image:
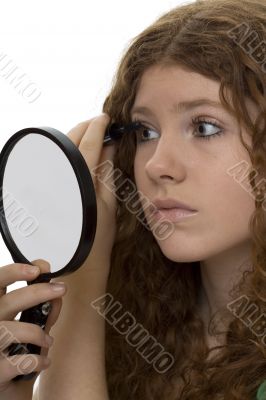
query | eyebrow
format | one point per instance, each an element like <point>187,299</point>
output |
<point>182,106</point>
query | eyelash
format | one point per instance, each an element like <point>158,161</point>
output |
<point>195,121</point>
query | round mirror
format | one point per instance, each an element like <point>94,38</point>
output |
<point>47,199</point>
<point>42,201</point>
<point>48,208</point>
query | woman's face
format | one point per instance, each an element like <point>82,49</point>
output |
<point>175,162</point>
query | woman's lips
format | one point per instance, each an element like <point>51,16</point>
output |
<point>172,214</point>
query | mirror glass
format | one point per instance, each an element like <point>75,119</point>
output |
<point>42,201</point>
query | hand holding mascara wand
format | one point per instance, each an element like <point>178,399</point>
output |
<point>116,131</point>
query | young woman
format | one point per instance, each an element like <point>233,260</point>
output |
<point>194,82</point>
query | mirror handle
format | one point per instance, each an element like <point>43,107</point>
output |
<point>37,315</point>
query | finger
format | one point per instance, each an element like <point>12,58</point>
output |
<point>106,178</point>
<point>21,299</point>
<point>43,264</point>
<point>20,365</point>
<point>76,133</point>
<point>92,141</point>
<point>16,272</point>
<point>21,332</point>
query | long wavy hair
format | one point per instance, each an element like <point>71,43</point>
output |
<point>205,37</point>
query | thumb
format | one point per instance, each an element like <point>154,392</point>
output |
<point>44,265</point>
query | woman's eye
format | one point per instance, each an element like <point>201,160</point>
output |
<point>145,134</point>
<point>199,122</point>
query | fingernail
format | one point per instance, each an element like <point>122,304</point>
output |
<point>47,361</point>
<point>58,286</point>
<point>31,269</point>
<point>49,340</point>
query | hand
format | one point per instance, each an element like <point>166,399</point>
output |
<point>14,331</point>
<point>88,137</point>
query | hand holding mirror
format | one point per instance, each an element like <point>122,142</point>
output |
<point>49,208</point>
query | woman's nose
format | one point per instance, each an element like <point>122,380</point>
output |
<point>167,160</point>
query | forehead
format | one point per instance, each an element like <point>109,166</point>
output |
<point>175,89</point>
<point>176,79</point>
<point>172,84</point>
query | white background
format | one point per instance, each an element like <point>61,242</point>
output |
<point>70,50</point>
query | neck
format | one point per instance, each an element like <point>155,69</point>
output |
<point>219,275</point>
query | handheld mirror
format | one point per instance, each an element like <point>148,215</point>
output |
<point>48,208</point>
